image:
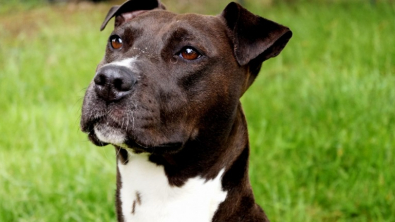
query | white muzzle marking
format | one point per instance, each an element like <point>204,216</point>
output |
<point>109,134</point>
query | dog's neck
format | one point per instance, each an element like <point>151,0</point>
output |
<point>195,184</point>
<point>146,195</point>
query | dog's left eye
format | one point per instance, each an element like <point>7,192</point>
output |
<point>189,53</point>
<point>116,42</point>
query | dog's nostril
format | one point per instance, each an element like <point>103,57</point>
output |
<point>100,79</point>
<point>123,84</point>
<point>118,84</point>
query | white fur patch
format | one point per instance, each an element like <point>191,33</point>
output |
<point>128,63</point>
<point>109,134</point>
<point>147,196</point>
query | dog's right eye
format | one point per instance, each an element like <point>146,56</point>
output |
<point>116,42</point>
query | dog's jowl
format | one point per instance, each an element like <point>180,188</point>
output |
<point>166,96</point>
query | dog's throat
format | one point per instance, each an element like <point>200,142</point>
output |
<point>122,154</point>
<point>145,193</point>
<point>164,148</point>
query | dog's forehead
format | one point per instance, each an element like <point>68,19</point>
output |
<point>163,23</point>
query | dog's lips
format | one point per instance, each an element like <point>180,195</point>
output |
<point>102,132</point>
<point>137,147</point>
<point>88,128</point>
<point>93,138</point>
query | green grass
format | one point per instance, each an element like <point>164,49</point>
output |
<point>321,116</point>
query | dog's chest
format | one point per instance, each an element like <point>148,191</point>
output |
<point>146,195</point>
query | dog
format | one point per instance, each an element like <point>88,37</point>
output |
<point>167,96</point>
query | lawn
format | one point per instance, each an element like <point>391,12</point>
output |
<point>321,115</point>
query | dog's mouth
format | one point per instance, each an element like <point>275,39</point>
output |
<point>102,133</point>
<point>93,138</point>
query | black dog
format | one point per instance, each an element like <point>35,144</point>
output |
<point>166,95</point>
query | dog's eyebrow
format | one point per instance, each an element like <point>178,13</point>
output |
<point>129,34</point>
<point>133,31</point>
<point>180,34</point>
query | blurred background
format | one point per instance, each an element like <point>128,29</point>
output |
<point>321,115</point>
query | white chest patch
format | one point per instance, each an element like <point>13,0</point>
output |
<point>147,196</point>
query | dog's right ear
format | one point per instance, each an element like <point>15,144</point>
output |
<point>129,10</point>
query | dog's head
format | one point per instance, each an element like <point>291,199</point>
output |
<point>168,78</point>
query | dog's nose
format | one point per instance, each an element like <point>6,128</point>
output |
<point>114,83</point>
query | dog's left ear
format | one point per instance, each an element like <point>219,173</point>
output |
<point>255,39</point>
<point>129,10</point>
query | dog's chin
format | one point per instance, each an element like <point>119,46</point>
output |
<point>108,134</point>
<point>104,134</point>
